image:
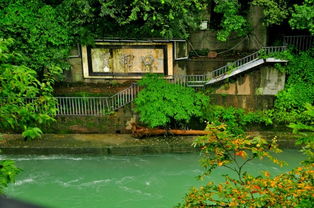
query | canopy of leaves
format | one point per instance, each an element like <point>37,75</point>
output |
<point>303,16</point>
<point>160,18</point>
<point>275,11</point>
<point>159,103</point>
<point>24,101</point>
<point>41,34</point>
<point>300,14</point>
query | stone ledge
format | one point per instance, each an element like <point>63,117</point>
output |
<point>115,144</point>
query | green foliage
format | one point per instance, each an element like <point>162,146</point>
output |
<point>162,18</point>
<point>231,22</point>
<point>32,133</point>
<point>24,100</point>
<point>160,103</point>
<point>236,118</point>
<point>299,89</point>
<point>275,11</point>
<point>307,137</point>
<point>41,34</point>
<point>300,14</point>
<point>221,148</point>
<point>8,172</point>
<point>303,16</point>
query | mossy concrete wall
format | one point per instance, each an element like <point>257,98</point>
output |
<point>263,80</point>
<point>253,90</point>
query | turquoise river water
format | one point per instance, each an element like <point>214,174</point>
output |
<point>154,181</point>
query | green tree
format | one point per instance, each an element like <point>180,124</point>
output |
<point>275,11</point>
<point>160,103</point>
<point>299,14</point>
<point>160,18</point>
<point>41,34</point>
<point>303,16</point>
<point>306,140</point>
<point>24,101</point>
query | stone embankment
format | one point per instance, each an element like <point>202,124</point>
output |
<point>114,144</point>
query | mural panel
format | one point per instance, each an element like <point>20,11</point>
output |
<point>127,60</point>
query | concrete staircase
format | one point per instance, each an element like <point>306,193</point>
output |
<point>231,69</point>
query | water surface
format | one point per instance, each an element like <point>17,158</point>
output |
<point>154,181</point>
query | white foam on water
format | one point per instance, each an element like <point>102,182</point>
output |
<point>91,183</point>
<point>69,183</point>
<point>135,191</point>
<point>33,158</point>
<point>21,182</point>
<point>125,179</point>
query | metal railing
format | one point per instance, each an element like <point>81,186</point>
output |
<point>189,80</point>
<point>245,60</point>
<point>124,97</point>
<point>95,106</point>
<point>301,42</point>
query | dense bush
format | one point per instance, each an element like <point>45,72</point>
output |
<point>299,88</point>
<point>24,101</point>
<point>162,104</point>
<point>237,119</point>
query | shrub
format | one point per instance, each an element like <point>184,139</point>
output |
<point>160,103</point>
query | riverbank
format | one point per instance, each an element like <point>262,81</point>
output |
<point>115,144</point>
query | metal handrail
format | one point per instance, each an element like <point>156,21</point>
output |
<point>301,42</point>
<point>96,106</point>
<point>245,60</point>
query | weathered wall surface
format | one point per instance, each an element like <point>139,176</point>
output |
<point>204,65</point>
<point>75,74</point>
<point>254,90</point>
<point>264,80</point>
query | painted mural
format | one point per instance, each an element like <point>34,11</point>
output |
<point>127,60</point>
